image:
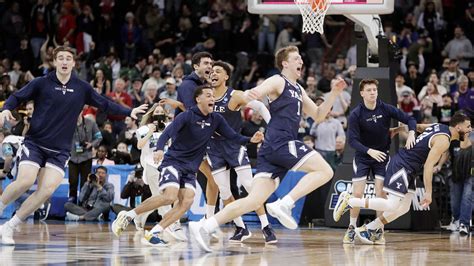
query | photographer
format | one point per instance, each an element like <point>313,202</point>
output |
<point>95,198</point>
<point>120,155</point>
<point>86,136</point>
<point>128,136</point>
<point>30,108</point>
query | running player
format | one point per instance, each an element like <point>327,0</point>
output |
<point>400,177</point>
<point>151,127</point>
<point>191,132</point>
<point>281,151</point>
<point>224,155</point>
<point>202,64</point>
<point>370,118</point>
<point>59,98</point>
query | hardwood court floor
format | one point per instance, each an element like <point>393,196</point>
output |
<point>93,244</point>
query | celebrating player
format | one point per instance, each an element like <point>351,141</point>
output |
<point>191,132</point>
<point>59,98</point>
<point>400,177</point>
<point>370,118</point>
<point>281,151</point>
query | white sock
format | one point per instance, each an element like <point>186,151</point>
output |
<point>263,220</point>
<point>239,222</point>
<point>375,224</point>
<point>14,222</point>
<point>210,225</point>
<point>210,209</point>
<point>156,229</point>
<point>288,201</point>
<point>132,214</point>
<point>353,222</point>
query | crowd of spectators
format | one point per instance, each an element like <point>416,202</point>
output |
<point>139,51</point>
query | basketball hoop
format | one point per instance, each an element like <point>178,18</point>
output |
<point>313,12</point>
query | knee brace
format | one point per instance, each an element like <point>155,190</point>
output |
<point>245,176</point>
<point>222,179</point>
<point>402,207</point>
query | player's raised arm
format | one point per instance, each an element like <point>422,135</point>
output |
<point>173,103</point>
<point>238,100</point>
<point>439,144</point>
<point>319,113</point>
<point>271,87</point>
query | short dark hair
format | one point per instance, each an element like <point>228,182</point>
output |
<point>367,82</point>
<point>196,59</point>
<point>101,167</point>
<point>64,49</point>
<point>458,118</point>
<point>199,90</point>
<point>225,66</point>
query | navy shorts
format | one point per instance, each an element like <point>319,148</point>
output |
<point>275,160</point>
<point>176,176</point>
<point>222,155</point>
<point>39,156</point>
<point>364,166</point>
<point>399,180</point>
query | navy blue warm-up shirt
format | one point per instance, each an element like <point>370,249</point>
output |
<point>57,107</point>
<point>369,129</point>
<point>191,132</point>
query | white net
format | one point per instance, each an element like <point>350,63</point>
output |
<point>313,19</point>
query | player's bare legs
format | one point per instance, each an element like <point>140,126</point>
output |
<point>27,175</point>
<point>169,195</point>
<point>48,181</point>
<point>186,198</point>
<point>261,189</point>
<point>319,172</point>
<point>245,176</point>
<point>212,190</point>
<point>168,223</point>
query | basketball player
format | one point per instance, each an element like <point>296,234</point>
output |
<point>400,177</point>
<point>202,64</point>
<point>191,132</point>
<point>59,98</point>
<point>370,118</point>
<point>223,155</point>
<point>151,127</point>
<point>281,151</point>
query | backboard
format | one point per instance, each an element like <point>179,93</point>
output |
<point>338,7</point>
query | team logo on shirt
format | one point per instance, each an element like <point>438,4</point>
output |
<point>203,123</point>
<point>374,118</point>
<point>64,89</point>
<point>296,95</point>
<point>219,109</point>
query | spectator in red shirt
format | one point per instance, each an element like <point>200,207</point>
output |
<point>120,96</point>
<point>66,27</point>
